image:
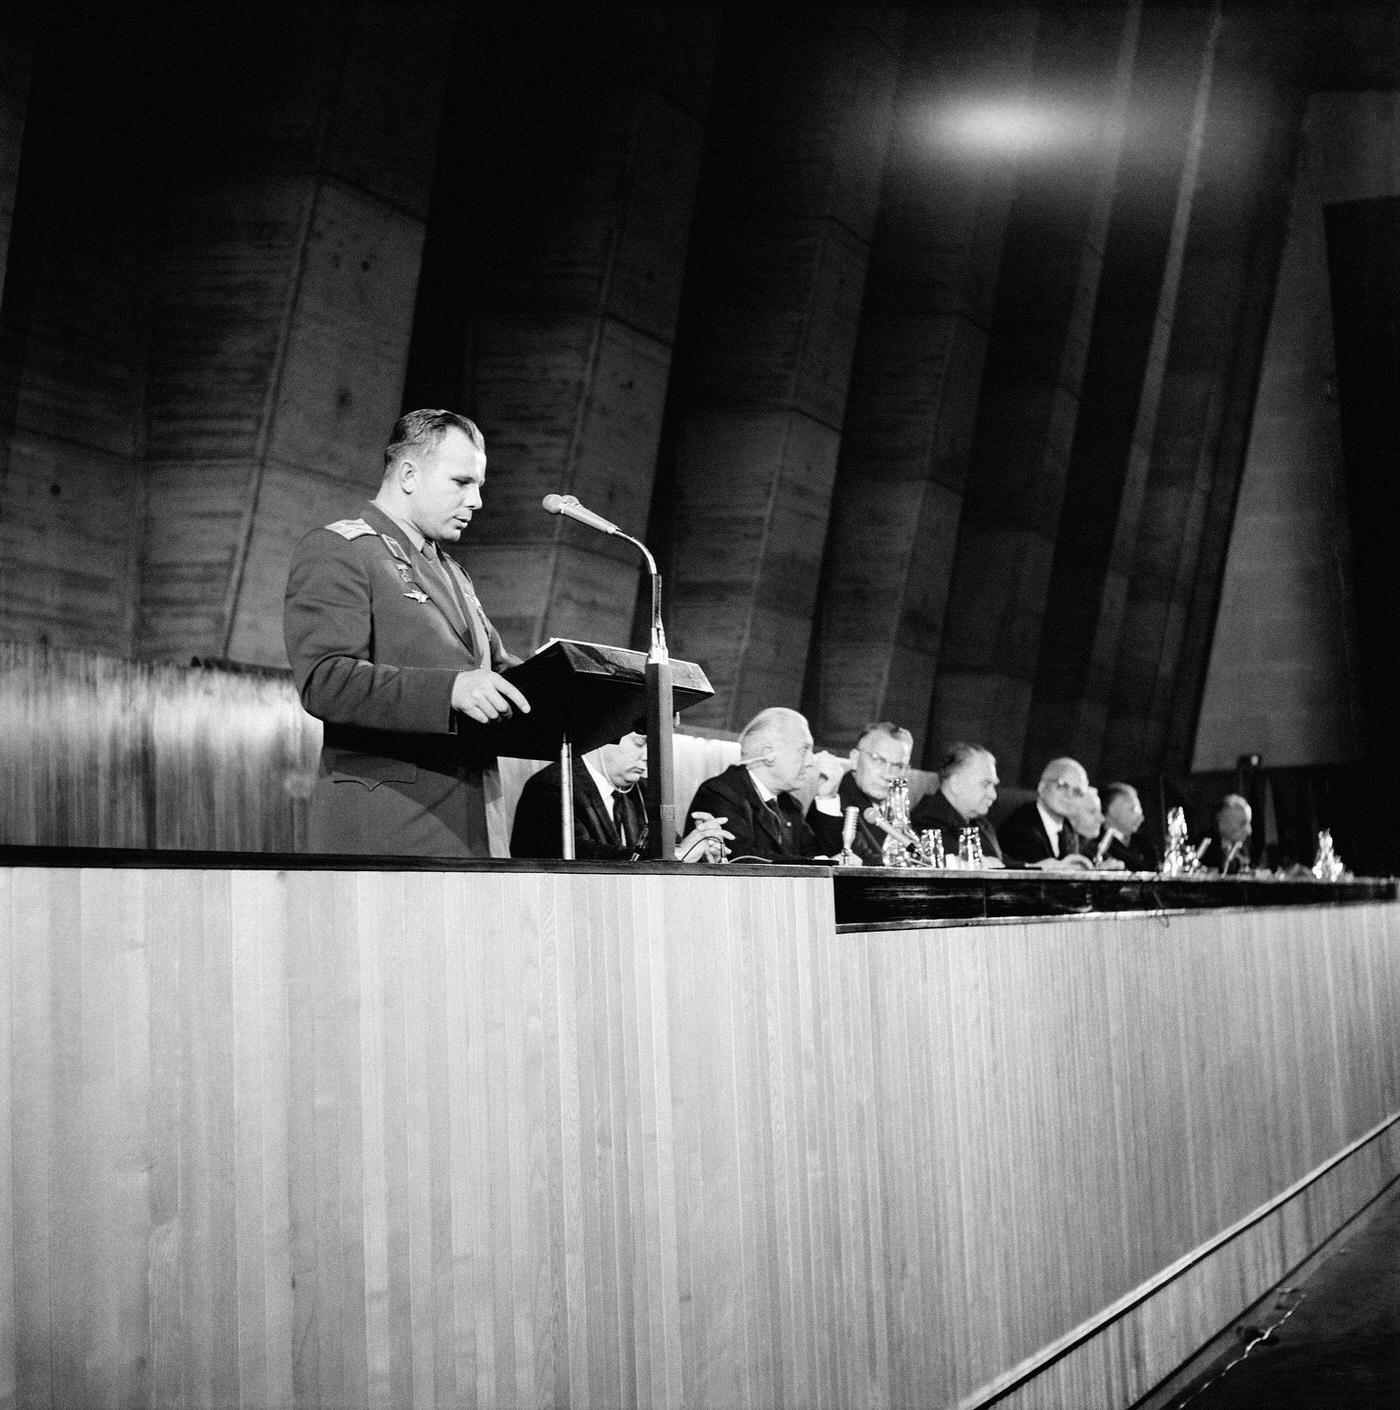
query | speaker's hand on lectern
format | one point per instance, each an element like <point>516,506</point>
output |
<point>484,696</point>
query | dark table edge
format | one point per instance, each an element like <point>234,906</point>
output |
<point>865,899</point>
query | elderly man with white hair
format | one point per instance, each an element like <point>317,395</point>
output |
<point>1228,852</point>
<point>753,798</point>
<point>1040,833</point>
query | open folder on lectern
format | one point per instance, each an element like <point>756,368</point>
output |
<point>588,694</point>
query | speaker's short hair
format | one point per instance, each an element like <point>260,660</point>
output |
<point>424,430</point>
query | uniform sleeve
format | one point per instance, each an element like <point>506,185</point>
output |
<point>329,628</point>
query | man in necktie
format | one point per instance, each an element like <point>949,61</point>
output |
<point>1228,851</point>
<point>390,649</point>
<point>755,795</point>
<point>880,757</point>
<point>1040,833</point>
<point>967,789</point>
<point>611,823</point>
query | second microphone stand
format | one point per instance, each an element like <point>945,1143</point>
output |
<point>661,709</point>
<point>661,727</point>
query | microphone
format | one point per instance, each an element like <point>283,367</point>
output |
<point>876,818</point>
<point>1110,836</point>
<point>567,505</point>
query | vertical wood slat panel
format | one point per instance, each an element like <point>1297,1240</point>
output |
<point>450,1139</point>
<point>11,937</point>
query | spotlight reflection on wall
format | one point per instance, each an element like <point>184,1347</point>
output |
<point>1014,127</point>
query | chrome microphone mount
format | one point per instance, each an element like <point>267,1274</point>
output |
<point>661,787</point>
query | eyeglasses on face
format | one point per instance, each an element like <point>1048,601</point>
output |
<point>1075,790</point>
<point>889,766</point>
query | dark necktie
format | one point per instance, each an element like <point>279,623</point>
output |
<point>445,580</point>
<point>777,815</point>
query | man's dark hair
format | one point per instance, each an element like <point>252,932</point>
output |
<point>1111,792</point>
<point>424,430</point>
<point>956,755</point>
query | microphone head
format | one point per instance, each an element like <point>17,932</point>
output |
<point>554,503</point>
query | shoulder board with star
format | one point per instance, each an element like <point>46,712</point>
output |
<point>351,528</point>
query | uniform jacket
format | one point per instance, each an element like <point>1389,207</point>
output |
<point>375,644</point>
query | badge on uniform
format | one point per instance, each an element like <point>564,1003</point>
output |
<point>411,588</point>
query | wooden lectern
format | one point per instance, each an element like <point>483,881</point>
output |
<point>583,695</point>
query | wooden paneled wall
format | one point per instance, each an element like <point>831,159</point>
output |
<point>1126,361</point>
<point>101,752</point>
<point>1230,263</point>
<point>455,1139</point>
<point>567,333</point>
<point>785,214</point>
<point>922,341</point>
<point>743,278</point>
<point>1033,384</point>
<point>285,273</point>
<point>16,64</point>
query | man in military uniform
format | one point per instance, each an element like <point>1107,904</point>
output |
<point>391,649</point>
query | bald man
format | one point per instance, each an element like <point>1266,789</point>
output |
<point>1228,852</point>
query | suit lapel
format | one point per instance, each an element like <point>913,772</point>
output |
<point>588,803</point>
<point>634,811</point>
<point>763,814</point>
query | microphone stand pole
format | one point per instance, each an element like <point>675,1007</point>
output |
<point>661,722</point>
<point>661,727</point>
<point>661,709</point>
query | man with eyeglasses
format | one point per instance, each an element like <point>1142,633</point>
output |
<point>1228,851</point>
<point>880,757</point>
<point>1041,833</point>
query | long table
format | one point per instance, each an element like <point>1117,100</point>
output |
<point>339,1136</point>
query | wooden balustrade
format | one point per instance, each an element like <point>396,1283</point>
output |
<point>605,1138</point>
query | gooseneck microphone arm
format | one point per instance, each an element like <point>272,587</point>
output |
<point>661,787</point>
<point>568,505</point>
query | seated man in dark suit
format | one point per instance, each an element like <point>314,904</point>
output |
<point>1039,833</point>
<point>611,821</point>
<point>753,797</point>
<point>1122,811</point>
<point>967,788</point>
<point>1228,851</point>
<point>881,755</point>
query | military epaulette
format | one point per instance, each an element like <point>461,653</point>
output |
<point>351,528</point>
